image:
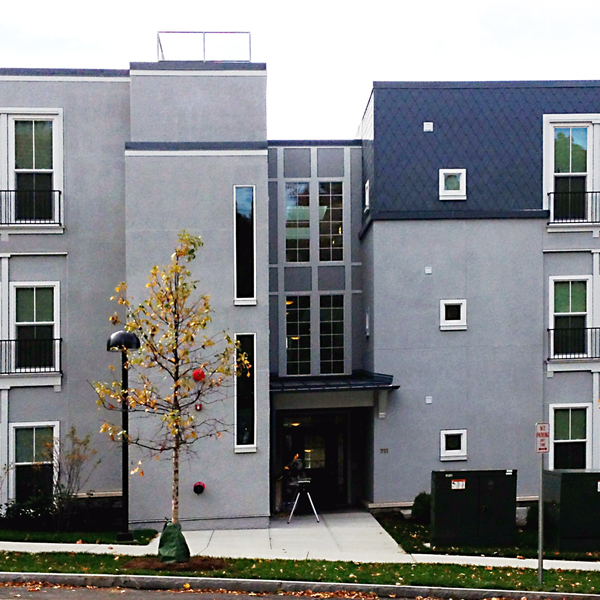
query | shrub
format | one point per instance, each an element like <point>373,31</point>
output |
<point>421,508</point>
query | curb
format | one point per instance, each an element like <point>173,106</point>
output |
<point>274,586</point>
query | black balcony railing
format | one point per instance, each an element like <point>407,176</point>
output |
<point>574,207</point>
<point>574,343</point>
<point>18,207</point>
<point>30,356</point>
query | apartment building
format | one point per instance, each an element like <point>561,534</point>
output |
<point>415,299</point>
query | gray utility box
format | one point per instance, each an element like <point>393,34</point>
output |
<point>572,509</point>
<point>474,508</point>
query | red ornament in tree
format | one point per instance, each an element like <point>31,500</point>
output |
<point>198,375</point>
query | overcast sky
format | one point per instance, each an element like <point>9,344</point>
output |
<point>322,56</point>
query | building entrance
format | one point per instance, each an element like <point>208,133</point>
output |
<point>325,447</point>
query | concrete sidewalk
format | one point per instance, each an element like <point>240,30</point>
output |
<point>346,536</point>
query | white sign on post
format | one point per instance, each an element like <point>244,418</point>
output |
<point>542,438</point>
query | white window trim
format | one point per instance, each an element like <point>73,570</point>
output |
<point>588,432</point>
<point>550,122</point>
<point>11,450</point>
<point>459,325</point>
<point>447,455</point>
<point>460,194</point>
<point>367,196</point>
<point>588,300</point>
<point>243,301</point>
<point>246,448</point>
<point>13,286</point>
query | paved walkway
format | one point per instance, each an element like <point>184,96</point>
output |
<point>347,536</point>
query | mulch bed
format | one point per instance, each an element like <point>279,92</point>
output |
<point>196,563</point>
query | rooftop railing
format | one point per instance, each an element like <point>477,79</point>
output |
<point>30,356</point>
<point>30,207</point>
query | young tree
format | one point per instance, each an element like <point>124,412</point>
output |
<point>177,366</point>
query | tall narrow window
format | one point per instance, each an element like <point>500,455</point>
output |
<point>34,462</point>
<point>297,320</point>
<point>332,334</point>
<point>570,436</point>
<point>297,222</point>
<point>35,328</point>
<point>570,173</point>
<point>34,170</point>
<point>244,245</point>
<point>570,316</point>
<point>245,394</point>
<point>331,221</point>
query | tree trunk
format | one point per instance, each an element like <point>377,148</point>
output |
<point>175,498</point>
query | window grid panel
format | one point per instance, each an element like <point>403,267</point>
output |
<point>332,334</point>
<point>570,319</point>
<point>297,222</point>
<point>570,438</point>
<point>297,319</point>
<point>331,220</point>
<point>570,173</point>
<point>34,328</point>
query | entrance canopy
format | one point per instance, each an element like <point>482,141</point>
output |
<point>359,380</point>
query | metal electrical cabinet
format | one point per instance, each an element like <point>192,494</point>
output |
<point>571,509</point>
<point>475,508</point>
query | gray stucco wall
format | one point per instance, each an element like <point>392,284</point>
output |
<point>487,379</point>
<point>87,256</point>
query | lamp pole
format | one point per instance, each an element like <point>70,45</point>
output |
<point>121,341</point>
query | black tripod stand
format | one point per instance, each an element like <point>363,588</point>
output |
<point>303,485</point>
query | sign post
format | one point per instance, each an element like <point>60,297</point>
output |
<point>542,446</point>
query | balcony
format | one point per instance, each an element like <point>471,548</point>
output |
<point>30,356</point>
<point>573,344</point>
<point>30,207</point>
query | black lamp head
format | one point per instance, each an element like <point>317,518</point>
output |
<point>121,340</point>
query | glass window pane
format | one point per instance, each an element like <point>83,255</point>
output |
<point>245,393</point>
<point>43,144</point>
<point>578,303</point>
<point>453,441</point>
<point>579,150</point>
<point>23,144</point>
<point>561,424</point>
<point>562,303</point>
<point>452,182</point>
<point>44,305</point>
<point>44,444</point>
<point>578,428</point>
<point>562,150</point>
<point>244,242</point>
<point>452,312</point>
<point>25,305</point>
<point>24,445</point>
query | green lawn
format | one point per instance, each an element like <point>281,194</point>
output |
<point>394,574</point>
<point>414,538</point>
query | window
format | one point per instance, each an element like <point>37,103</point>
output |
<point>35,343</point>
<point>453,444</point>
<point>569,306</point>
<point>331,238</point>
<point>297,318</point>
<point>244,245</point>
<point>367,196</point>
<point>332,334</point>
<point>453,184</point>
<point>570,434</point>
<point>297,222</point>
<point>33,177</point>
<point>570,173</point>
<point>34,451</point>
<point>245,395</point>
<point>453,315</point>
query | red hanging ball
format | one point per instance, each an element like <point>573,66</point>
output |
<point>198,375</point>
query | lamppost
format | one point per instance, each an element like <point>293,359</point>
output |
<point>122,341</point>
